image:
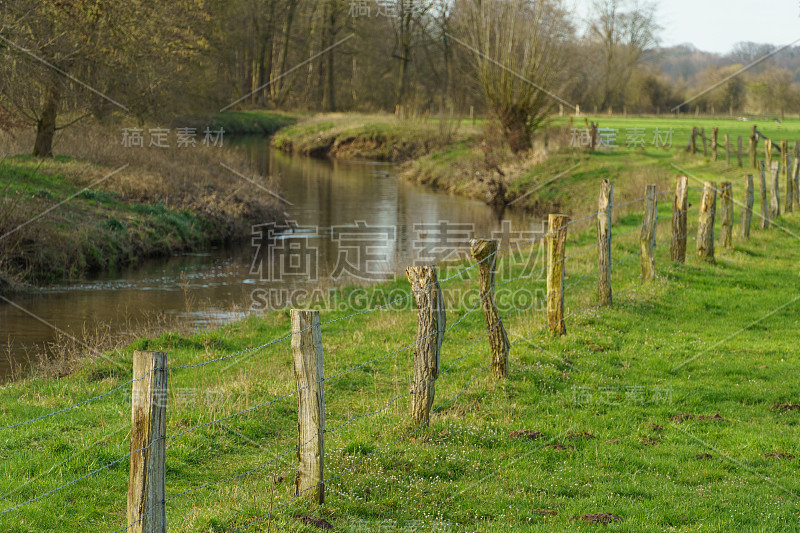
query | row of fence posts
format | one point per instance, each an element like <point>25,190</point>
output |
<point>147,481</point>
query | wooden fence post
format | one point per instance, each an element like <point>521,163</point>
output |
<point>764,205</point>
<point>705,146</point>
<point>775,193</point>
<point>680,207</point>
<point>308,375</point>
<point>714,143</point>
<point>753,147</point>
<point>485,251</point>
<point>147,510</point>
<point>787,172</point>
<point>768,152</point>
<point>604,207</point>
<point>795,181</point>
<point>647,237</point>
<point>786,161</point>
<point>431,323</point>
<point>693,141</point>
<point>726,216</point>
<point>705,227</point>
<point>747,207</point>
<point>556,248</point>
<point>727,149</point>
<point>739,149</point>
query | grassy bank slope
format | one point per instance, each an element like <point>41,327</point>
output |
<point>662,410</point>
<point>112,206</point>
<point>376,137</point>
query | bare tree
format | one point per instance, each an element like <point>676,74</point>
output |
<point>518,47</point>
<point>622,31</point>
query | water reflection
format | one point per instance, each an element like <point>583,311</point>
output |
<point>331,204</point>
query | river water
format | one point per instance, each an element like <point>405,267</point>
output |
<point>349,222</point>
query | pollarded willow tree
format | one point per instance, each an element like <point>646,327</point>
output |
<point>519,49</point>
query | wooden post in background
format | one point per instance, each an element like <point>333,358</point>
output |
<point>787,172</point>
<point>431,323</point>
<point>747,207</point>
<point>739,149</point>
<point>774,192</point>
<point>727,149</point>
<point>726,215</point>
<point>764,205</point>
<point>647,237</point>
<point>786,161</point>
<point>556,248</point>
<point>714,143</point>
<point>795,176</point>
<point>768,152</point>
<point>705,227</point>
<point>604,207</point>
<point>680,207</point>
<point>693,141</point>
<point>308,375</point>
<point>485,251</point>
<point>705,146</point>
<point>147,510</point>
<point>753,147</point>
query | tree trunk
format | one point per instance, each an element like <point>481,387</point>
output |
<point>46,125</point>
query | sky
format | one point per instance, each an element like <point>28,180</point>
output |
<point>716,25</point>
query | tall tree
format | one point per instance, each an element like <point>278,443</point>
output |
<point>518,48</point>
<point>622,31</point>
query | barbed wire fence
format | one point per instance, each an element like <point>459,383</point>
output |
<point>150,441</point>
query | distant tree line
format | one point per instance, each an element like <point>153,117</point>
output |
<point>516,60</point>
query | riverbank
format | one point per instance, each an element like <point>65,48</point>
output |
<point>107,205</point>
<point>472,162</point>
<point>687,370</point>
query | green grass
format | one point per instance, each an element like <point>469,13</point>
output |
<point>702,339</point>
<point>249,122</point>
<point>92,230</point>
<point>375,137</point>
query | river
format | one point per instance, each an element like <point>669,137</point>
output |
<point>356,220</point>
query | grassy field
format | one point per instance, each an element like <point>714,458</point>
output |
<point>663,410</point>
<point>458,163</point>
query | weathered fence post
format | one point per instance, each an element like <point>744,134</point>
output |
<point>431,323</point>
<point>726,216</point>
<point>786,161</point>
<point>753,147</point>
<point>693,141</point>
<point>485,251</point>
<point>764,205</point>
<point>795,175</point>
<point>747,207</point>
<point>309,377</point>
<point>604,207</point>
<point>714,138</point>
<point>147,510</point>
<point>768,152</point>
<point>727,149</point>
<point>739,149</point>
<point>775,193</point>
<point>556,248</point>
<point>705,227</point>
<point>705,145</point>
<point>787,172</point>
<point>647,237</point>
<point>680,207</point>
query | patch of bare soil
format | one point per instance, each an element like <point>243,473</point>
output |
<point>596,518</point>
<point>525,434</point>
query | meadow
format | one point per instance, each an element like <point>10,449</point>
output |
<point>673,409</point>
